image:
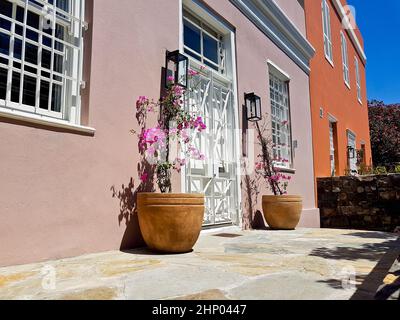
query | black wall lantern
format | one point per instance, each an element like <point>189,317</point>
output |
<point>253,107</point>
<point>351,152</point>
<point>176,66</point>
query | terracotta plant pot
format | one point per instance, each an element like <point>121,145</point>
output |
<point>170,223</point>
<point>282,212</point>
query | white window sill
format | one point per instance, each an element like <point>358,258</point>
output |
<point>44,121</point>
<point>285,169</point>
<point>360,102</point>
<point>347,85</point>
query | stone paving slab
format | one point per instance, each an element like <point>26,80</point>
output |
<point>305,264</point>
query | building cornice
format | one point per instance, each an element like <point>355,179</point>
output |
<point>276,25</point>
<point>353,37</point>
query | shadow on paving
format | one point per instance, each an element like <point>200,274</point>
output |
<point>385,254</point>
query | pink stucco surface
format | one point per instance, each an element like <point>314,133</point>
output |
<point>56,190</point>
<point>295,12</point>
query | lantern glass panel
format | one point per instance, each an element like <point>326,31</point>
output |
<point>182,73</point>
<point>248,108</point>
<point>258,108</point>
<point>253,107</point>
<point>177,66</point>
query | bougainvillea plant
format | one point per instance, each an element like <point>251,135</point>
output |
<point>277,181</point>
<point>175,126</point>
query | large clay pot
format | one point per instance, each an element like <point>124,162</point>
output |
<point>170,223</point>
<point>282,212</point>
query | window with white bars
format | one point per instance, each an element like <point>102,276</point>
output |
<point>281,125</point>
<point>345,59</point>
<point>326,23</point>
<point>203,43</point>
<point>358,79</point>
<point>41,57</point>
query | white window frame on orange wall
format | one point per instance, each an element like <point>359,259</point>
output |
<point>326,26</point>
<point>358,79</point>
<point>345,59</point>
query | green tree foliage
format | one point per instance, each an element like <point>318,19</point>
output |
<point>385,133</point>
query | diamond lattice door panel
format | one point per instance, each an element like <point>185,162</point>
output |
<point>212,96</point>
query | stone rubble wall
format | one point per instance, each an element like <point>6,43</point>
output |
<point>366,203</point>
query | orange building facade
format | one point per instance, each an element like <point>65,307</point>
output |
<point>339,107</point>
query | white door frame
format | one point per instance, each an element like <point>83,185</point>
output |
<point>232,43</point>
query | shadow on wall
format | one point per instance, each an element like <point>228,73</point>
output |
<point>127,197</point>
<point>253,219</point>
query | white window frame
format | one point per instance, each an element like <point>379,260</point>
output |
<point>358,79</point>
<point>345,59</point>
<point>70,79</point>
<point>219,39</point>
<point>228,39</point>
<point>281,80</point>
<point>326,26</point>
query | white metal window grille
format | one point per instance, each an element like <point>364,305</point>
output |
<point>326,22</point>
<point>203,43</point>
<point>281,126</point>
<point>358,80</point>
<point>41,57</point>
<point>345,59</point>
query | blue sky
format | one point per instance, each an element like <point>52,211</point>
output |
<point>379,22</point>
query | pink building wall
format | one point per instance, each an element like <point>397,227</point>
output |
<point>56,190</point>
<point>295,12</point>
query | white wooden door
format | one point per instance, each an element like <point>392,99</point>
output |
<point>216,177</point>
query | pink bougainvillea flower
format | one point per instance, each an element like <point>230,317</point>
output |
<point>142,100</point>
<point>153,142</point>
<point>144,177</point>
<point>185,135</point>
<point>179,91</point>
<point>173,131</point>
<point>193,73</point>
<point>259,166</point>
<point>198,124</point>
<point>151,151</point>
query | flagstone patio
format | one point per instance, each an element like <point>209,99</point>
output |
<point>227,264</point>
